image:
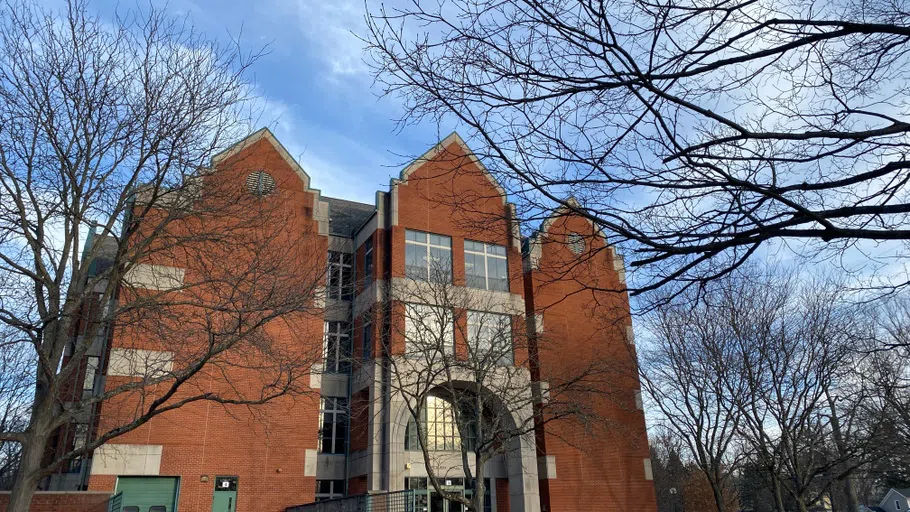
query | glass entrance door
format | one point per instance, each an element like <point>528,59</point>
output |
<point>426,499</point>
<point>439,504</point>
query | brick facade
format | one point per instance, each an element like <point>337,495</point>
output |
<point>64,501</point>
<point>273,449</point>
<point>601,467</point>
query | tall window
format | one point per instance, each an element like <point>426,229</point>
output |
<point>486,266</point>
<point>329,489</point>
<point>333,425</point>
<point>429,330</point>
<point>341,275</point>
<point>92,364</point>
<point>490,335</point>
<point>428,256</point>
<point>367,335</point>
<point>80,435</point>
<point>368,261</point>
<point>440,427</point>
<point>337,347</point>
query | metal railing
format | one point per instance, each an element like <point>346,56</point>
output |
<point>396,501</point>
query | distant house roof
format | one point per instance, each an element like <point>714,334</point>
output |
<point>905,492</point>
<point>345,217</point>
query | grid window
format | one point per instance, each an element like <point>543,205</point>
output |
<point>329,489</point>
<point>440,428</point>
<point>92,364</point>
<point>429,330</point>
<point>490,336</point>
<point>341,275</point>
<point>486,266</point>
<point>333,425</point>
<point>337,348</point>
<point>428,257</point>
<point>368,261</point>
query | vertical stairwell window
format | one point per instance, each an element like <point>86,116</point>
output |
<point>333,425</point>
<point>368,261</point>
<point>337,347</point>
<point>367,336</point>
<point>341,276</point>
<point>329,489</point>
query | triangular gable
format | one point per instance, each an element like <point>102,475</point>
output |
<point>534,249</point>
<point>439,148</point>
<point>264,133</point>
<point>321,207</point>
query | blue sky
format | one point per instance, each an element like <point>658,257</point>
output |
<point>316,89</point>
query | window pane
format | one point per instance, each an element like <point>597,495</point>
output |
<point>497,250</point>
<point>473,246</point>
<point>490,334</point>
<point>498,272</point>
<point>475,273</point>
<point>440,240</point>
<point>333,425</point>
<point>417,236</point>
<point>441,264</point>
<point>91,370</point>
<point>416,261</point>
<point>428,330</point>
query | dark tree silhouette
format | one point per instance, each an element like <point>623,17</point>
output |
<point>692,133</point>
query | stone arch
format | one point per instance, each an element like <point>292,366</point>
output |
<point>520,457</point>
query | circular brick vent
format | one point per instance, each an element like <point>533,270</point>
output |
<point>260,183</point>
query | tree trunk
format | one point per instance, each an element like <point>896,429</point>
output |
<point>33,449</point>
<point>718,497</point>
<point>29,475</point>
<point>778,499</point>
<point>479,489</point>
<point>839,441</point>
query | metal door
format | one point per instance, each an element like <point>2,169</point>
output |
<point>225,495</point>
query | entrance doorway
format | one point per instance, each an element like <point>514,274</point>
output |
<point>426,499</point>
<point>225,495</point>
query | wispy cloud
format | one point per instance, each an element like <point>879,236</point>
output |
<point>330,28</point>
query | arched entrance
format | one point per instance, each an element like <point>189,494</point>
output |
<point>408,466</point>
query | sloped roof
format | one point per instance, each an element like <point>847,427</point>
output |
<point>345,217</point>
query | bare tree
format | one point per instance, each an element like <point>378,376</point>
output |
<point>761,373</point>
<point>690,374</point>
<point>692,133</point>
<point>668,468</point>
<point>464,378</point>
<point>16,385</point>
<point>109,138</point>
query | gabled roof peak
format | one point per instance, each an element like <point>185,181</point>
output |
<point>437,148</point>
<point>264,133</point>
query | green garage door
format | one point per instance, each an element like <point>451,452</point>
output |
<point>148,491</point>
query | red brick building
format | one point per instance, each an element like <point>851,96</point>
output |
<point>350,440</point>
